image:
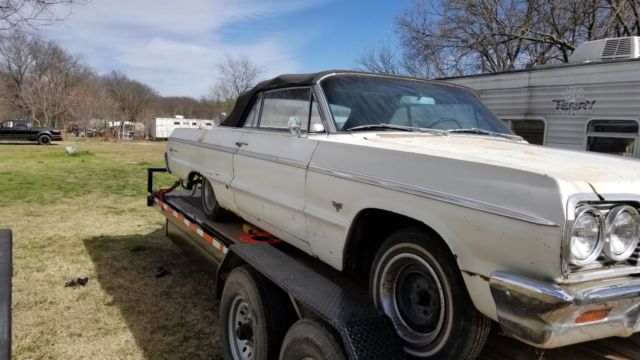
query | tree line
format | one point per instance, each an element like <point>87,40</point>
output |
<point>43,83</point>
<point>460,37</point>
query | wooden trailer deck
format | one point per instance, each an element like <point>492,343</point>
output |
<point>504,348</point>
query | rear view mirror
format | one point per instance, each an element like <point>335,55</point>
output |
<point>417,100</point>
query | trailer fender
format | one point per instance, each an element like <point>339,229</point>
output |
<point>230,262</point>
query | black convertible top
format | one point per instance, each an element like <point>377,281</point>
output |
<point>289,80</point>
<point>285,80</point>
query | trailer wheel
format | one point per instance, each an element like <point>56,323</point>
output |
<point>254,316</point>
<point>416,282</point>
<point>44,139</point>
<point>311,340</point>
<point>210,205</point>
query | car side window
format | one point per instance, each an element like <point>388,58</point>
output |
<point>315,123</point>
<point>252,118</point>
<point>280,107</point>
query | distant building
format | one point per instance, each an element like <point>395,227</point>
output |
<point>161,128</point>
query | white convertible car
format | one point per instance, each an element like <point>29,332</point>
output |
<point>417,189</point>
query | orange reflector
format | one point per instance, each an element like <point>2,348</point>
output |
<point>593,315</point>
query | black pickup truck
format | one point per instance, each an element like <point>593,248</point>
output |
<point>22,130</point>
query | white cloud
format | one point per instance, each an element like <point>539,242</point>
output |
<point>175,46</point>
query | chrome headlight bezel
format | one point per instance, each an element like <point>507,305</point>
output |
<point>609,227</point>
<point>597,215</point>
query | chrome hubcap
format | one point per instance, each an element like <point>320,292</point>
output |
<point>411,294</point>
<point>240,330</point>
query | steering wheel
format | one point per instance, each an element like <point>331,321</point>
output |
<point>444,119</point>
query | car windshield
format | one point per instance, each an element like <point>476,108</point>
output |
<point>361,102</point>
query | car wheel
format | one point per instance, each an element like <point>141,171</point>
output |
<point>253,316</point>
<point>416,282</point>
<point>311,340</point>
<point>44,139</point>
<point>210,205</point>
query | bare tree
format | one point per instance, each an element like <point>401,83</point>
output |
<point>41,77</point>
<point>92,101</point>
<point>235,76</point>
<point>182,105</point>
<point>132,97</point>
<point>54,80</point>
<point>385,60</point>
<point>458,37</point>
<point>380,60</point>
<point>15,13</point>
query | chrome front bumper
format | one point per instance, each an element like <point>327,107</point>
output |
<point>544,314</point>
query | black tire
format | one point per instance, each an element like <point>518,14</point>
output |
<point>44,139</point>
<point>311,339</point>
<point>416,282</point>
<point>210,205</point>
<point>260,315</point>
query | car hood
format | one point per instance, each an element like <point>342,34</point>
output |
<point>605,174</point>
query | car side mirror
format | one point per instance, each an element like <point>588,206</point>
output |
<point>295,126</point>
<point>317,128</point>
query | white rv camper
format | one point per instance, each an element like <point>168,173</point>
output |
<point>161,128</point>
<point>591,103</point>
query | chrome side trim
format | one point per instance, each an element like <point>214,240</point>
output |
<point>205,145</point>
<point>621,197</point>
<point>434,195</point>
<point>247,153</point>
<point>275,159</point>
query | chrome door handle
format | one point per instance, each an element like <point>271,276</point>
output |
<point>241,144</point>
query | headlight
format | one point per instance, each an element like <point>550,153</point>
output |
<point>622,227</point>
<point>585,245</point>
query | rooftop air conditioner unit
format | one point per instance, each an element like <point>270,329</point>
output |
<point>607,49</point>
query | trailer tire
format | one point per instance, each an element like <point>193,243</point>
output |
<point>210,205</point>
<point>311,339</point>
<point>44,139</point>
<point>416,282</point>
<point>254,316</point>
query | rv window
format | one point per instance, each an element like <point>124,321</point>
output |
<point>176,123</point>
<point>613,126</point>
<point>185,123</point>
<point>616,137</point>
<point>208,124</point>
<point>531,130</point>
<point>194,124</point>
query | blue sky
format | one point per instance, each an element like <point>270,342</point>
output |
<point>174,46</point>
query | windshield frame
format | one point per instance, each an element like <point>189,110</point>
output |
<point>328,115</point>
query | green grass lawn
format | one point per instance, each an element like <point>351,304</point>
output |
<point>85,216</point>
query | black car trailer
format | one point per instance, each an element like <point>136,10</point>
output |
<point>297,294</point>
<point>6,273</point>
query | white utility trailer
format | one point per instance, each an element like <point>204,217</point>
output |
<point>591,103</point>
<point>161,128</point>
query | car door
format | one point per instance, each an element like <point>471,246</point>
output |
<point>271,164</point>
<point>21,130</point>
